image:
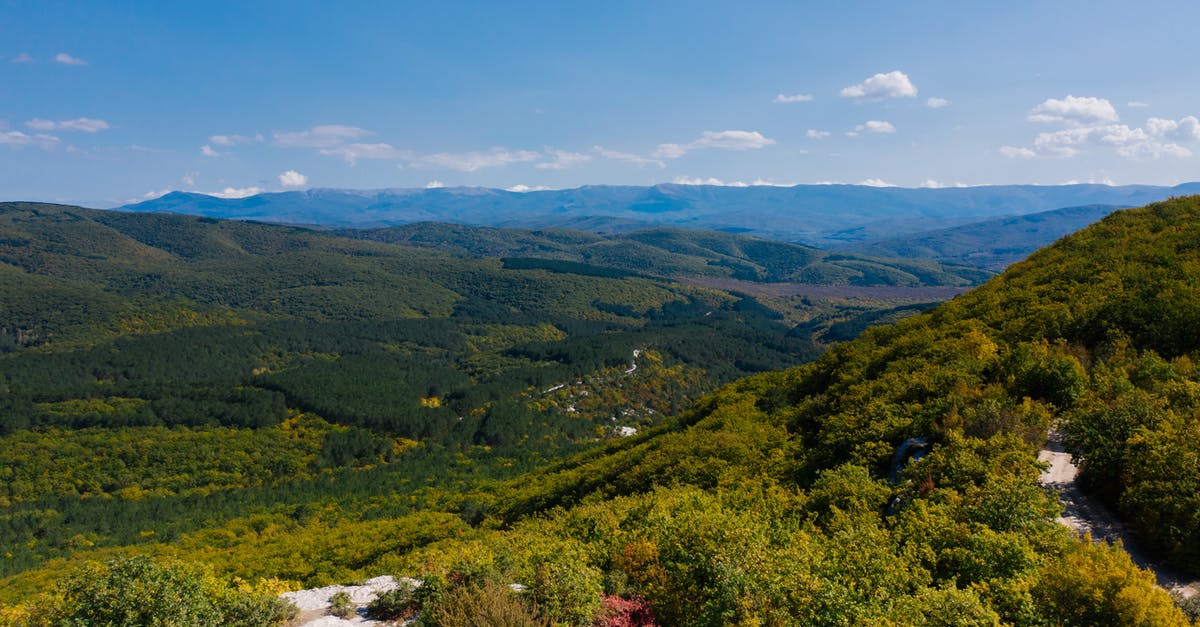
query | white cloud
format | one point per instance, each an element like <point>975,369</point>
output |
<point>670,151</point>
<point>1160,138</point>
<point>237,192</point>
<point>189,179</point>
<point>334,140</point>
<point>434,184</point>
<point>67,59</point>
<point>208,151</point>
<point>322,136</point>
<point>876,126</point>
<point>627,157</point>
<point>934,184</point>
<point>563,159</point>
<point>1183,129</point>
<point>19,139</point>
<point>692,180</point>
<point>937,103</point>
<point>84,125</point>
<point>233,140</point>
<point>155,193</point>
<point>475,160</point>
<point>1153,149</point>
<point>759,182</point>
<point>894,84</point>
<point>351,153</point>
<point>874,182</point>
<point>521,189</point>
<point>292,178</point>
<point>813,133</point>
<point>1092,181</point>
<point>23,58</point>
<point>786,99</point>
<point>1074,111</point>
<point>1137,104</point>
<point>724,140</point>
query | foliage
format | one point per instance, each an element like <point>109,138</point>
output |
<point>673,253</point>
<point>397,603</point>
<point>1098,585</point>
<point>139,591</point>
<point>766,502</point>
<point>166,358</point>
<point>480,605</point>
<point>616,611</point>
<point>341,605</point>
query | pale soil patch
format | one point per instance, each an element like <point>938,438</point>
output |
<point>314,603</point>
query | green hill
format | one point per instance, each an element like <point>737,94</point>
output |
<point>680,253</point>
<point>990,245</point>
<point>786,497</point>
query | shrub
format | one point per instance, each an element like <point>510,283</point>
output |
<point>567,593</point>
<point>473,605</point>
<point>394,604</point>
<point>141,591</point>
<point>616,611</point>
<point>341,605</point>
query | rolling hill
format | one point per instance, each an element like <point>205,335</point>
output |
<point>989,245</point>
<point>677,253</point>
<point>231,366</point>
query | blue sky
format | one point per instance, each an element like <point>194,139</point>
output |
<point>102,103</point>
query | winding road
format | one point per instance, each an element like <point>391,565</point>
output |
<point>1085,515</point>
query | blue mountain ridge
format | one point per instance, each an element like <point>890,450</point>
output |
<point>820,215</point>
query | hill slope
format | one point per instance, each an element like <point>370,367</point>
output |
<point>678,253</point>
<point>991,244</point>
<point>814,214</point>
<point>789,498</point>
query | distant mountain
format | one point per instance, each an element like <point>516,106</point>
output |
<point>672,252</point>
<point>991,244</point>
<point>820,215</point>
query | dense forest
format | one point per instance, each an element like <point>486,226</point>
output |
<point>188,373</point>
<point>785,497</point>
<point>674,252</point>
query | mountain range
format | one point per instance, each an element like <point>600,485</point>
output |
<point>820,215</point>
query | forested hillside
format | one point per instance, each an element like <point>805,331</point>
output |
<point>991,244</point>
<point>789,498</point>
<point>187,372</point>
<point>680,253</point>
<point>770,501</point>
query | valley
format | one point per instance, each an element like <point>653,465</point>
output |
<point>313,439</point>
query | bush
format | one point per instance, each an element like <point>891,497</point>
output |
<point>394,604</point>
<point>140,591</point>
<point>473,605</point>
<point>341,605</point>
<point>567,593</point>
<point>617,611</point>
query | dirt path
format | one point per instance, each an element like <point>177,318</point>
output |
<point>1085,515</point>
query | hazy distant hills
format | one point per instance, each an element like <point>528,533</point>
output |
<point>820,215</point>
<point>991,244</point>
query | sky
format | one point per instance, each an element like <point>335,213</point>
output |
<point>105,103</point>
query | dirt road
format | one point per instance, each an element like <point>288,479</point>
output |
<point>1085,515</point>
